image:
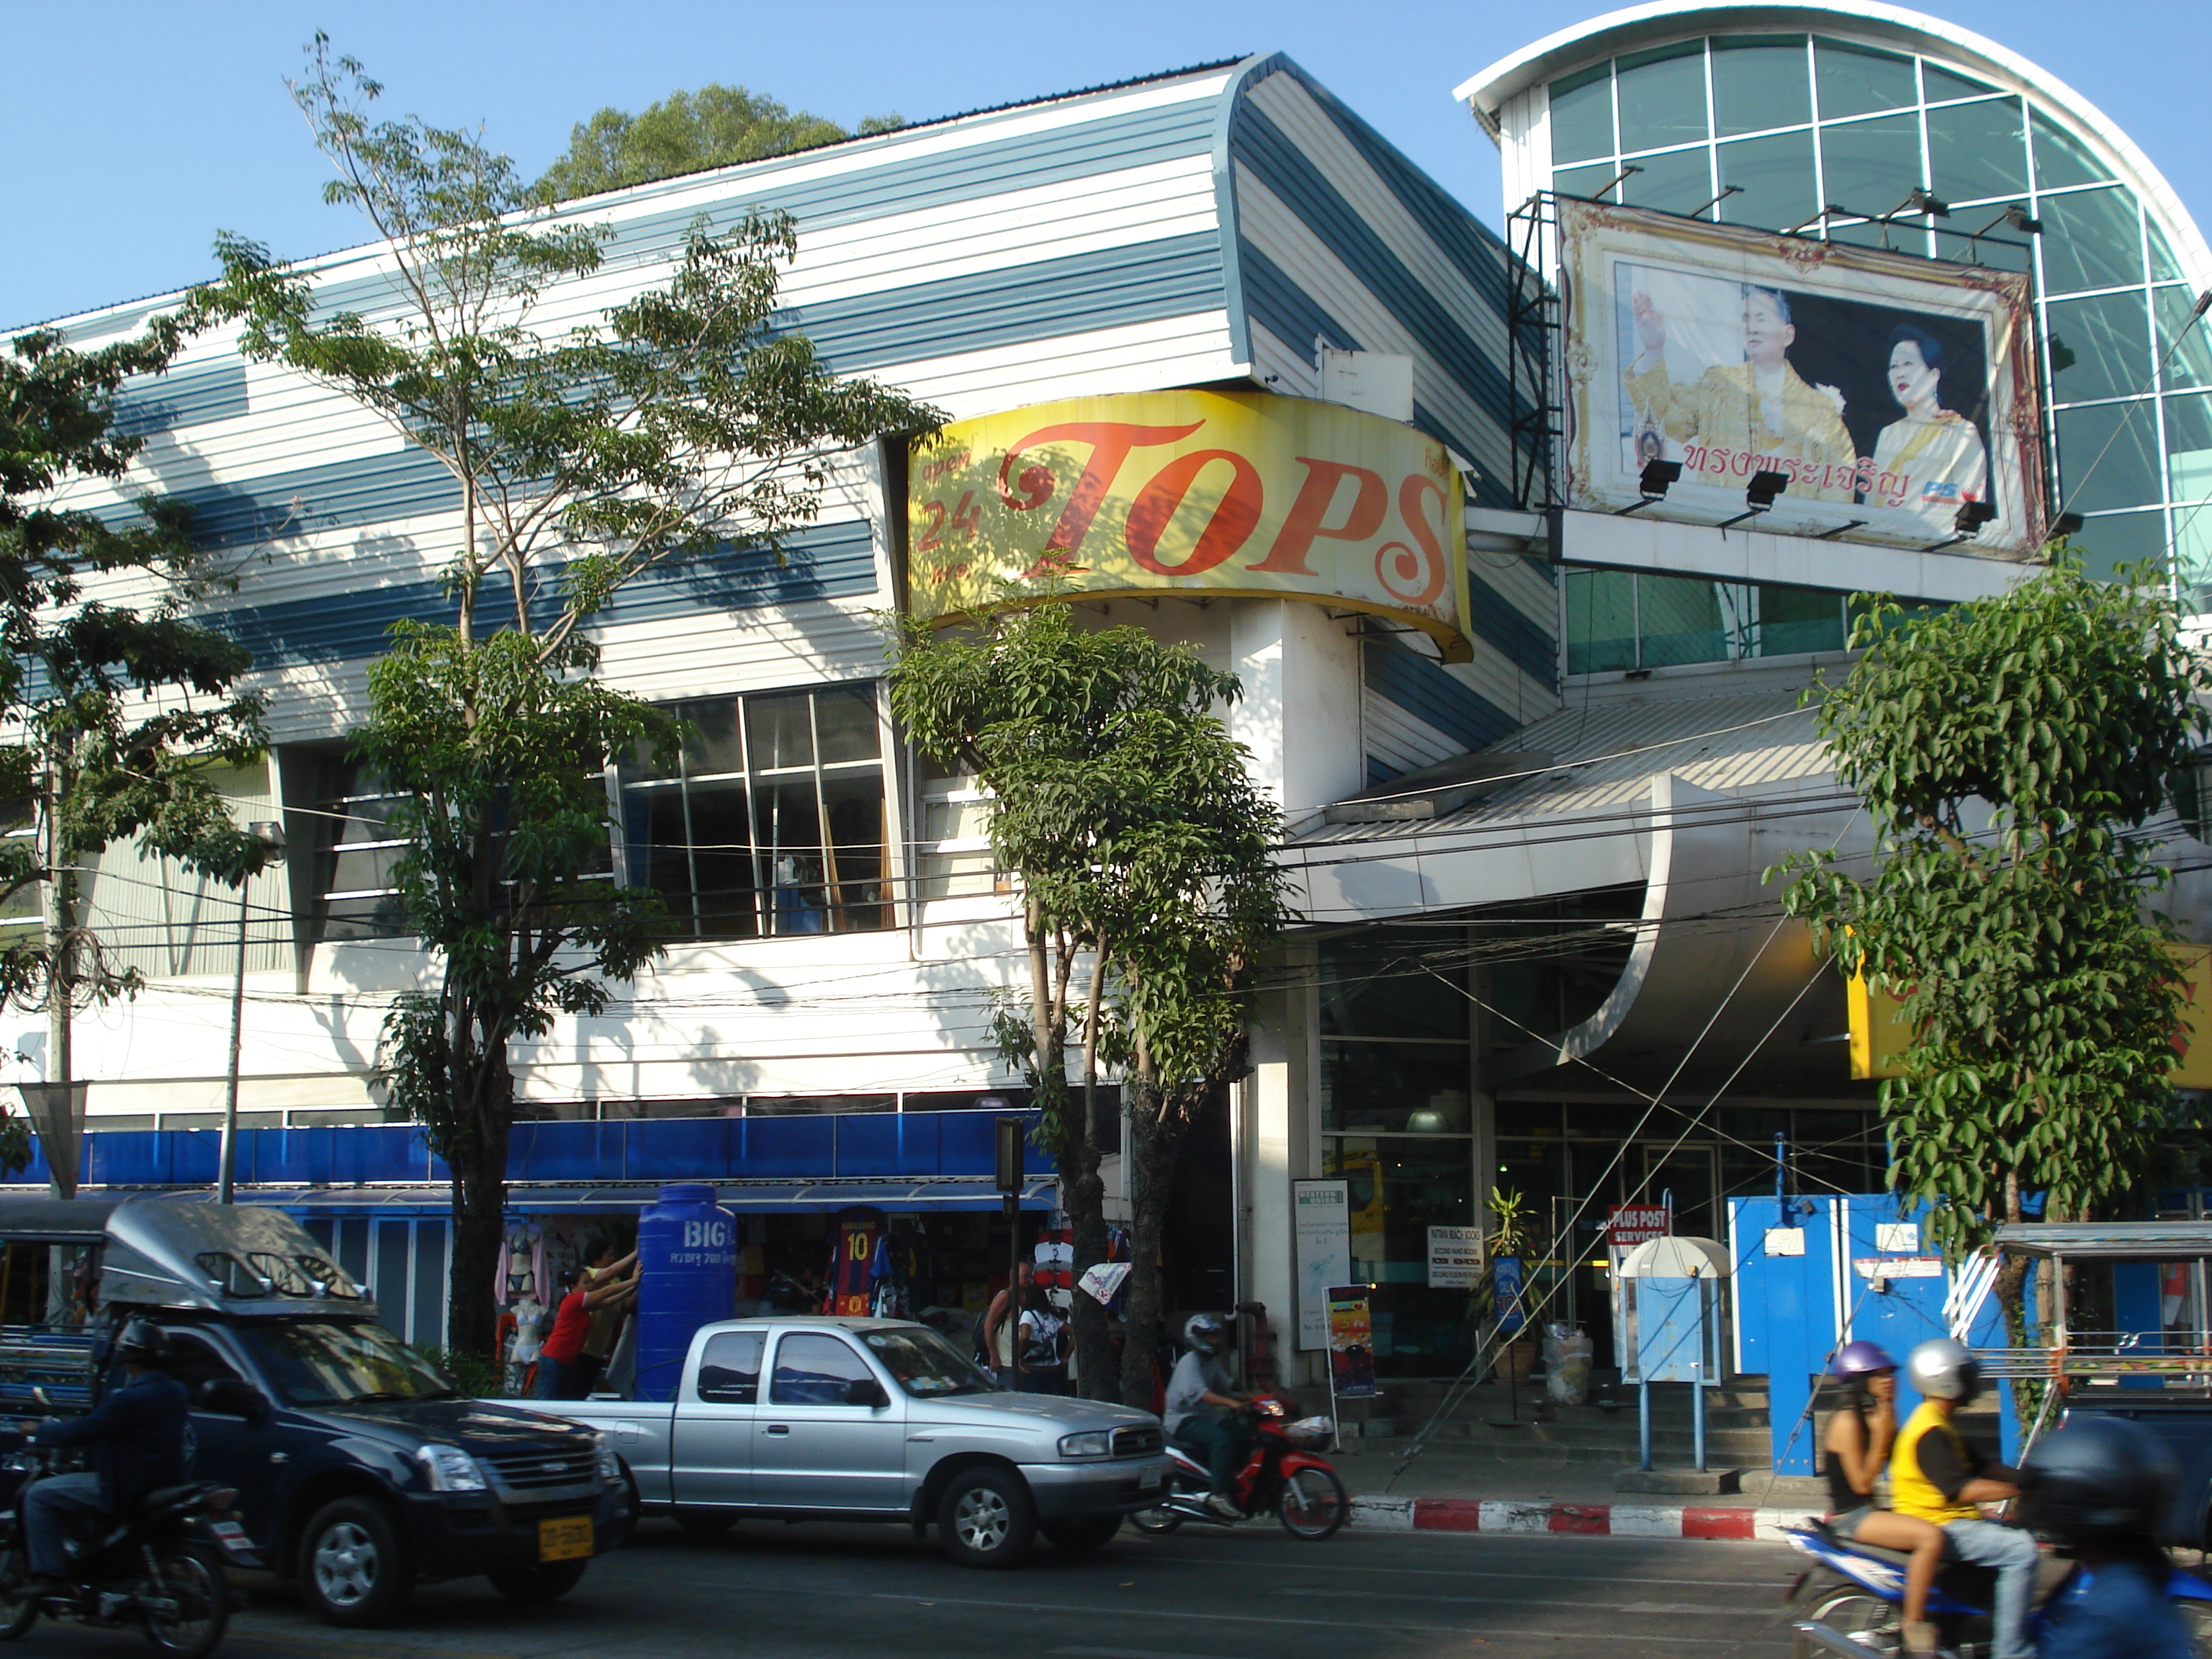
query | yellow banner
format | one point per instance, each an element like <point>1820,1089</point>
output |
<point>1229,494</point>
<point>1881,1024</point>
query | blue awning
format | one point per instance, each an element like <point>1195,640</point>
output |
<point>895,1194</point>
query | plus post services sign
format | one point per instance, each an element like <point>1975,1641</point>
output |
<point>1229,494</point>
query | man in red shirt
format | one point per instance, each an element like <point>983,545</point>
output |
<point>560,1369</point>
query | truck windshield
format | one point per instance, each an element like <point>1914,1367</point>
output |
<point>926,1364</point>
<point>314,1364</point>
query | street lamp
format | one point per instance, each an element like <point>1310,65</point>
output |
<point>272,837</point>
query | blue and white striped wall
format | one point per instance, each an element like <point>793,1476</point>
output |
<point>1209,226</point>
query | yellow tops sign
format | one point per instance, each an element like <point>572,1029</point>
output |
<point>1881,1024</point>
<point>1222,494</point>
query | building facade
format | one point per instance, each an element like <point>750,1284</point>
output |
<point>1530,804</point>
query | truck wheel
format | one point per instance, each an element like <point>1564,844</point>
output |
<point>351,1566</point>
<point>625,1529</point>
<point>1079,1534</point>
<point>535,1586</point>
<point>986,1518</point>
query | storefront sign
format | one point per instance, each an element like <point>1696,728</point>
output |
<point>1455,1258</point>
<point>1637,1223</point>
<point>1882,1024</point>
<point>1888,392</point>
<point>1221,494</point>
<point>1321,1226</point>
<point>1899,1266</point>
<point>1351,1342</point>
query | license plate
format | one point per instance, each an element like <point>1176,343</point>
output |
<point>568,1539</point>
<point>231,1536</point>
<point>1156,1477</point>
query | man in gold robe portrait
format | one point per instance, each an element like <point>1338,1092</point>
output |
<point>1761,405</point>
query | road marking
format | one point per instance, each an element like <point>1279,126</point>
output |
<point>1064,1607</point>
<point>1697,1608</point>
<point>1130,1653</point>
<point>1465,1572</point>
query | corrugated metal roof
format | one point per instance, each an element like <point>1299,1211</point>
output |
<point>1604,755</point>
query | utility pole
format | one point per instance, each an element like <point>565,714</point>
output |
<point>271,836</point>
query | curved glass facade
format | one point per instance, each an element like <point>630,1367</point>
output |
<point>1790,125</point>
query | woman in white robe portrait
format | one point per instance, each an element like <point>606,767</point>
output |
<point>1932,460</point>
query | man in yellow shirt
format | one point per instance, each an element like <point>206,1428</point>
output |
<point>1760,407</point>
<point>1935,1475</point>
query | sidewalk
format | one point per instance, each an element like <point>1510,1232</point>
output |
<point>1447,1488</point>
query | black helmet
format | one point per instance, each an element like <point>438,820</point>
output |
<point>2098,1479</point>
<point>141,1343</point>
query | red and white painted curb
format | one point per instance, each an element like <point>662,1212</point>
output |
<point>1586,1520</point>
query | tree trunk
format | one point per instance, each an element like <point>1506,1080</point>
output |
<point>1152,1150</point>
<point>480,1207</point>
<point>60,919</point>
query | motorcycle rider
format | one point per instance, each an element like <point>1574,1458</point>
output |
<point>1935,1475</point>
<point>1201,1410</point>
<point>1854,1449</point>
<point>2097,1488</point>
<point>137,1435</point>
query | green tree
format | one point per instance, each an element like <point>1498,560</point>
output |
<point>680,424</point>
<point>716,126</point>
<point>2010,752</point>
<point>115,703</point>
<point>1127,814</point>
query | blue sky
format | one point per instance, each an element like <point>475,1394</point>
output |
<point>136,131</point>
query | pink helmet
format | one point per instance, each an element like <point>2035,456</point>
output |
<point>1857,1359</point>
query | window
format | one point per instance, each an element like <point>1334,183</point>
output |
<point>1759,83</point>
<point>1397,1060</point>
<point>956,856</point>
<point>1620,620</point>
<point>773,821</point>
<point>358,898</point>
<point>729,1370</point>
<point>814,1370</point>
<point>194,1361</point>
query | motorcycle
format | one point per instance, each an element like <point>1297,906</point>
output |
<point>1864,1607</point>
<point>162,1567</point>
<point>1283,1474</point>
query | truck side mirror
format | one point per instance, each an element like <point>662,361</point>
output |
<point>866,1391</point>
<point>231,1396</point>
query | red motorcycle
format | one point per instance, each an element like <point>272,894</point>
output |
<point>1283,1473</point>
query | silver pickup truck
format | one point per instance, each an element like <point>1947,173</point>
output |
<point>877,1419</point>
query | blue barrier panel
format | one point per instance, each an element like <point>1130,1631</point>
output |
<point>565,1151</point>
<point>768,1147</point>
<point>871,1143</point>
<point>969,1145</point>
<point>126,1158</point>
<point>677,1148</point>
<point>195,1158</point>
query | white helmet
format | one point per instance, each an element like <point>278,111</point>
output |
<point>1203,1333</point>
<point>1944,1370</point>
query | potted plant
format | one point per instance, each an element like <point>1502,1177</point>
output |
<point>1506,1245</point>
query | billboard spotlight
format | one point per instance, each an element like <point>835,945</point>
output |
<point>1652,482</point>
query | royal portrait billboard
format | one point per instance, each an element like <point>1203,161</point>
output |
<point>1890,392</point>
<point>1213,495</point>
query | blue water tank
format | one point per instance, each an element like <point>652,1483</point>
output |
<point>687,1253</point>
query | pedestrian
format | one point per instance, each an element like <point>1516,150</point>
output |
<point>1044,1354</point>
<point>560,1361</point>
<point>606,1320</point>
<point>998,1323</point>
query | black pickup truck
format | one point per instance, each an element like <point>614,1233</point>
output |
<point>361,1471</point>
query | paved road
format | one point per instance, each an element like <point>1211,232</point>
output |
<point>769,1591</point>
